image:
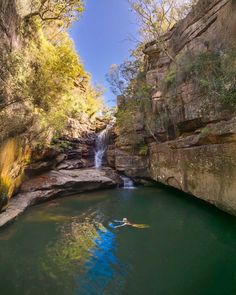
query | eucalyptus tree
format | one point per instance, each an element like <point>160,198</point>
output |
<point>65,11</point>
<point>156,17</point>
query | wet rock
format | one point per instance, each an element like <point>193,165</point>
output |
<point>38,168</point>
<point>110,156</point>
<point>132,165</point>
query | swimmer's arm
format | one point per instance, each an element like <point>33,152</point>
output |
<point>124,224</point>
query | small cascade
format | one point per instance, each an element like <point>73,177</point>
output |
<point>128,183</point>
<point>101,145</point>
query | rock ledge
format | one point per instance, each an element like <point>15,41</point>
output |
<point>56,184</point>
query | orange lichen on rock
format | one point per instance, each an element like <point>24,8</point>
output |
<point>14,156</point>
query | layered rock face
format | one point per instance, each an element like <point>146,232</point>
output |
<point>194,144</point>
<point>63,169</point>
<point>10,173</point>
<point>10,16</point>
<point>128,155</point>
<point>8,25</point>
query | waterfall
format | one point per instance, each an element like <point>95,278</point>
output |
<point>128,183</point>
<point>101,145</point>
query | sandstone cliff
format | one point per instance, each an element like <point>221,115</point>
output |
<point>46,96</point>
<point>192,142</point>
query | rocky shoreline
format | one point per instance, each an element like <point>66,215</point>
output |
<point>57,184</point>
<point>64,168</point>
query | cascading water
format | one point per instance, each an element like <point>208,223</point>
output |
<point>128,183</point>
<point>101,145</point>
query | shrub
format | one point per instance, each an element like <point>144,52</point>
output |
<point>213,72</point>
<point>48,78</point>
<point>143,150</point>
<point>169,80</point>
<point>204,132</point>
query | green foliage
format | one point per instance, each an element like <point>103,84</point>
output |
<point>125,116</point>
<point>213,72</point>
<point>43,83</point>
<point>179,72</point>
<point>60,144</point>
<point>143,150</point>
<point>63,12</point>
<point>138,107</point>
<point>170,78</point>
<point>137,98</point>
<point>138,103</point>
<point>3,196</point>
<point>217,72</point>
<point>204,132</point>
<point>155,18</point>
<point>121,76</point>
<point>139,88</point>
<point>49,79</point>
<point>169,81</point>
<point>75,242</point>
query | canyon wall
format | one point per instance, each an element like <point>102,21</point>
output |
<point>39,129</point>
<point>192,145</point>
<point>9,18</point>
<point>12,155</point>
<point>10,40</point>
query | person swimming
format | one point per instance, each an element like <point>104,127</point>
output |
<point>126,222</point>
<point>123,222</point>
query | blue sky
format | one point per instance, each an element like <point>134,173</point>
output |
<point>101,38</point>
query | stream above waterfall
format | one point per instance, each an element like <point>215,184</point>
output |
<point>66,246</point>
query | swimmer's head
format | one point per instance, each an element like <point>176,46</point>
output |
<point>125,220</point>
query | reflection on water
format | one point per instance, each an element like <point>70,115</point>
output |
<point>67,247</point>
<point>7,233</point>
<point>46,217</point>
<point>102,270</point>
<point>84,253</point>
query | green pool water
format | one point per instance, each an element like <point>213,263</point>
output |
<point>68,247</point>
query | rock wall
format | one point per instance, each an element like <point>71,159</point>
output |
<point>9,18</point>
<point>127,155</point>
<point>25,149</point>
<point>14,152</point>
<point>10,40</point>
<point>195,137</point>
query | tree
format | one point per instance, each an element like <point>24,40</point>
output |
<point>121,76</point>
<point>46,78</point>
<point>56,10</point>
<point>157,17</point>
<point>58,86</point>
